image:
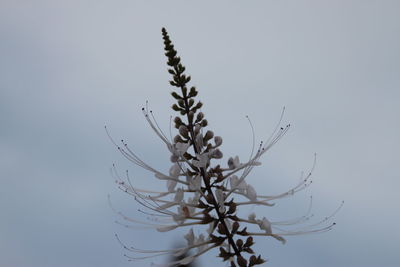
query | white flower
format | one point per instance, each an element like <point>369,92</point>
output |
<point>202,160</point>
<point>233,163</point>
<point>252,217</point>
<point>200,240</point>
<point>182,214</point>
<point>195,183</point>
<point>178,149</point>
<point>171,185</point>
<point>175,170</point>
<point>251,193</point>
<point>210,228</point>
<point>199,141</point>
<point>179,195</point>
<point>220,200</point>
<point>234,182</point>
<point>190,237</point>
<point>264,224</point>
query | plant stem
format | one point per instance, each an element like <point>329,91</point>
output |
<point>206,180</point>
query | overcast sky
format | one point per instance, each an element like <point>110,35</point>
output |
<point>67,68</point>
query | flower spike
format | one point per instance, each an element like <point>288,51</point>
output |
<point>201,192</point>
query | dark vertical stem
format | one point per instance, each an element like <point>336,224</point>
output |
<point>206,180</point>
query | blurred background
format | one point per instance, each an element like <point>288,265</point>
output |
<point>67,68</point>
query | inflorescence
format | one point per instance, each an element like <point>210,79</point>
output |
<point>201,193</point>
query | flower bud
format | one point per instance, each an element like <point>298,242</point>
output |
<point>217,154</point>
<point>199,141</point>
<point>181,103</point>
<point>208,136</point>
<point>174,158</point>
<point>183,130</point>
<point>239,243</point>
<point>178,139</point>
<point>176,95</point>
<point>191,102</point>
<point>200,116</point>
<point>175,107</point>
<point>218,140</point>
<point>197,129</point>
<point>192,92</point>
<point>178,121</point>
<point>191,115</point>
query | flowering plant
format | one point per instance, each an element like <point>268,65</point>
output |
<point>201,193</point>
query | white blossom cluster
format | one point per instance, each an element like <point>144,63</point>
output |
<point>198,192</point>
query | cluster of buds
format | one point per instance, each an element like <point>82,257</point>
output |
<point>202,193</point>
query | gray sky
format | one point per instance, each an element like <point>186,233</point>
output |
<point>67,68</point>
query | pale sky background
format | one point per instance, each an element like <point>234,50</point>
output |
<point>67,68</point>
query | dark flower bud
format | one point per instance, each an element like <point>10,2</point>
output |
<point>192,92</point>
<point>208,136</point>
<point>218,141</point>
<point>178,121</point>
<point>176,95</point>
<point>232,209</point>
<point>217,154</point>
<point>191,115</point>
<point>223,254</point>
<point>248,250</point>
<point>204,123</point>
<point>253,261</point>
<point>191,102</point>
<point>175,107</point>
<point>199,105</point>
<point>249,242</point>
<point>222,229</point>
<point>200,116</point>
<point>178,139</point>
<point>239,243</point>
<point>256,260</point>
<point>235,226</point>
<point>183,130</point>
<point>181,103</point>
<point>181,68</point>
